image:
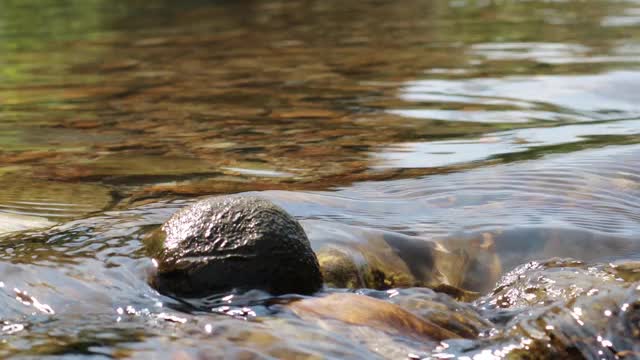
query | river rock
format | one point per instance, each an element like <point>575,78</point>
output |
<point>361,310</point>
<point>233,242</point>
<point>355,257</point>
<point>562,309</point>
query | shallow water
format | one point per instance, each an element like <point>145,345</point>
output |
<point>459,122</point>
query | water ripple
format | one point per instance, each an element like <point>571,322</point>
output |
<point>584,193</point>
<point>606,96</point>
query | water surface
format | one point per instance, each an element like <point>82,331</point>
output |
<point>450,121</point>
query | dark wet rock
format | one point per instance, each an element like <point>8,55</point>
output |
<point>206,247</point>
<point>228,242</point>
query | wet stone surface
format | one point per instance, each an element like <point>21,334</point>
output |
<point>459,167</point>
<point>554,308</point>
<point>566,308</point>
<point>233,242</point>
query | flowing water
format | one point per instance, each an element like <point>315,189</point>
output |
<point>459,121</point>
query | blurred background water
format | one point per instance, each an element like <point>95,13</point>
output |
<point>441,120</point>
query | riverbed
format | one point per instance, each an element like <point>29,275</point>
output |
<point>510,127</point>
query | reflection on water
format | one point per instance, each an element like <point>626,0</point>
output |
<point>585,190</point>
<point>604,96</point>
<point>449,152</point>
<point>511,127</point>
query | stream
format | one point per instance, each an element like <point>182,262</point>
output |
<point>507,130</point>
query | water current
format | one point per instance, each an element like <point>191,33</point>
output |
<point>510,126</point>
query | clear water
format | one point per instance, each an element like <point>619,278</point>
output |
<point>442,120</point>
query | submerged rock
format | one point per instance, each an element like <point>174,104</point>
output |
<point>246,242</point>
<point>356,257</point>
<point>364,258</point>
<point>565,309</point>
<point>393,323</point>
<point>361,310</point>
<point>228,242</point>
<point>442,309</point>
